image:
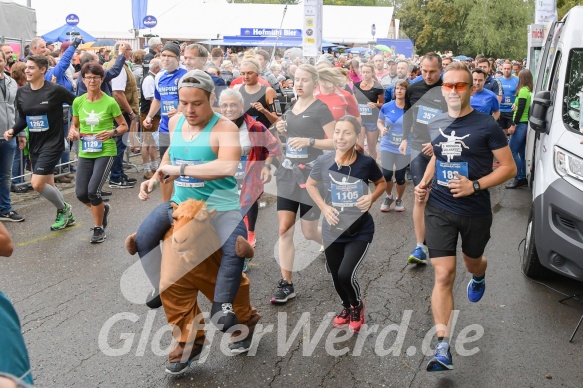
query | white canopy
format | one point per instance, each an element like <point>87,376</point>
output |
<point>211,19</point>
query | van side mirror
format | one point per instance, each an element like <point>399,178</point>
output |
<point>538,111</point>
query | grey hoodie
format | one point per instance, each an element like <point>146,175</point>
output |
<point>8,107</point>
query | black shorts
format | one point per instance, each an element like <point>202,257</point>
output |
<point>505,120</point>
<point>308,209</point>
<point>44,162</point>
<point>442,229</point>
<point>163,143</point>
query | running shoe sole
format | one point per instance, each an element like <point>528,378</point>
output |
<point>280,301</point>
<point>114,186</point>
<point>189,363</point>
<point>7,219</point>
<point>415,260</point>
<point>434,365</point>
<point>99,241</point>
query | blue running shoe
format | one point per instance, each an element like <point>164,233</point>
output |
<point>418,256</point>
<point>476,290</point>
<point>441,360</point>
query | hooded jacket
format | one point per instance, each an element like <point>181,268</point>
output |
<point>8,106</point>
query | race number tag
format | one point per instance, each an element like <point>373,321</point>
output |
<point>446,171</point>
<point>345,194</point>
<point>295,154</point>
<point>365,110</point>
<point>90,144</point>
<point>38,123</point>
<point>167,106</point>
<point>425,114</point>
<point>188,181</point>
<point>395,139</point>
<point>240,174</point>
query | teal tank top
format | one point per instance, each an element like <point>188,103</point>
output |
<point>220,194</point>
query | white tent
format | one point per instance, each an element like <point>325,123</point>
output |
<point>211,19</point>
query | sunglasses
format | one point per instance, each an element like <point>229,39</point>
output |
<point>458,86</point>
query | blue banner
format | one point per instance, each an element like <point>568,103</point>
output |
<point>139,11</point>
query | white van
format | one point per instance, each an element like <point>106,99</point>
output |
<point>554,155</point>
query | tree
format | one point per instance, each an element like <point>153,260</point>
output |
<point>492,27</point>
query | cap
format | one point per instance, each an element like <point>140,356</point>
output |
<point>391,60</point>
<point>50,42</point>
<point>205,82</point>
<point>173,47</point>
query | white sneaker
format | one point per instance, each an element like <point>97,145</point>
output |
<point>386,205</point>
<point>399,205</point>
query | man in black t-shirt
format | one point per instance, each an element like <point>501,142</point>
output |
<point>458,175</point>
<point>423,101</point>
<point>40,108</point>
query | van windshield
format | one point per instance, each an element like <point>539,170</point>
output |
<point>573,91</point>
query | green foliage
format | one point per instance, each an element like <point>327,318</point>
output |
<point>491,27</point>
<point>563,6</point>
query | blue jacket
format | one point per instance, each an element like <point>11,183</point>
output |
<point>59,71</point>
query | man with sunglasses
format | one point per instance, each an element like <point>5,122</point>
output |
<point>458,203</point>
<point>423,101</point>
<point>165,100</point>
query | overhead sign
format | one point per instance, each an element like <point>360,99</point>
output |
<point>312,31</point>
<point>72,20</point>
<point>150,21</point>
<point>270,32</point>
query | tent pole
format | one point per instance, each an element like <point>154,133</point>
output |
<point>277,37</point>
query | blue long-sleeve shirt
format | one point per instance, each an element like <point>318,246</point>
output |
<point>59,71</point>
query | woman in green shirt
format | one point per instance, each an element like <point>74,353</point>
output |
<point>93,115</point>
<point>518,130</point>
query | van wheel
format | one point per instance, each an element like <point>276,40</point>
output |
<point>531,265</point>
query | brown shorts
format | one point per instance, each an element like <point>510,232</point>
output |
<point>155,123</point>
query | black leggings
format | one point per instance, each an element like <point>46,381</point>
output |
<point>91,175</point>
<point>343,260</point>
<point>252,214</point>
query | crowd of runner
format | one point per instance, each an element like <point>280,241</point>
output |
<point>337,134</point>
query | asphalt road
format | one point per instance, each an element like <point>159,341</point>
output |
<point>83,328</point>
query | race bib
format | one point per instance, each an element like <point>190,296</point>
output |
<point>395,139</point>
<point>38,123</point>
<point>240,174</point>
<point>295,154</point>
<point>188,181</point>
<point>90,144</point>
<point>167,106</point>
<point>365,110</point>
<point>446,171</point>
<point>346,194</point>
<point>425,114</point>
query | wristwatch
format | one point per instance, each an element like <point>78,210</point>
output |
<point>477,187</point>
<point>182,168</point>
<point>268,166</point>
<point>312,141</point>
<point>115,132</point>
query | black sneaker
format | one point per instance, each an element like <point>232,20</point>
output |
<point>285,292</point>
<point>11,216</point>
<point>153,300</point>
<point>242,346</point>
<point>106,193</point>
<point>176,368</point>
<point>121,184</point>
<point>106,209</point>
<point>131,180</point>
<point>19,189</point>
<point>98,235</point>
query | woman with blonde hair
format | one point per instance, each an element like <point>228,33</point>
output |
<point>308,126</point>
<point>330,91</point>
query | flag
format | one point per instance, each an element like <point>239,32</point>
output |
<point>139,12</point>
